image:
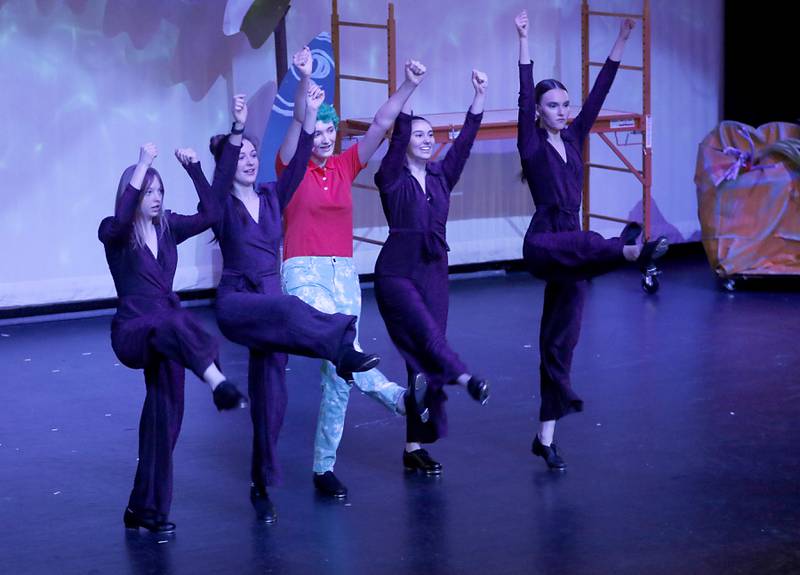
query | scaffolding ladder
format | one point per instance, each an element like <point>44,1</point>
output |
<point>631,123</point>
<point>345,130</point>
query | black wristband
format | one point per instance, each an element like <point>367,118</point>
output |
<point>235,131</point>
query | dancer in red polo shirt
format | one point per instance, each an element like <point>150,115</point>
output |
<point>318,262</point>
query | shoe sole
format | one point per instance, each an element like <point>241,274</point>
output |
<point>134,525</point>
<point>550,466</point>
<point>422,471</point>
<point>480,395</point>
<point>366,366</point>
<point>240,405</point>
<point>337,496</point>
<point>137,527</point>
<point>545,461</point>
<point>369,364</point>
<point>264,517</point>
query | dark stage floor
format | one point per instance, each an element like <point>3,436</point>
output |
<point>686,459</point>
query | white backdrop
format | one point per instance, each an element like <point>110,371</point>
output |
<point>85,82</point>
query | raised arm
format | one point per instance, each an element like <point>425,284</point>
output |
<point>208,210</point>
<point>239,112</point>
<point>120,226</point>
<point>187,157</point>
<point>625,28</point>
<point>387,113</point>
<point>225,169</point>
<point>303,62</point>
<point>290,178</point>
<point>602,84</point>
<point>526,119</point>
<point>521,22</point>
<point>391,167</point>
<point>456,157</point>
<point>480,81</point>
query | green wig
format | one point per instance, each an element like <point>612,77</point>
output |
<point>327,113</point>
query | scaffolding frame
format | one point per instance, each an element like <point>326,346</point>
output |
<point>345,127</point>
<point>629,122</point>
<point>502,124</point>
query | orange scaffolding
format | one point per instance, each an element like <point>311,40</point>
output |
<point>640,123</point>
<point>345,129</point>
<point>502,124</point>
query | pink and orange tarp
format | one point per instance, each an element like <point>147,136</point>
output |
<point>749,200</point>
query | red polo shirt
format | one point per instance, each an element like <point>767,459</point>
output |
<point>319,218</point>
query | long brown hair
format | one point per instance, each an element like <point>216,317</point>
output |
<point>137,236</point>
<point>215,145</point>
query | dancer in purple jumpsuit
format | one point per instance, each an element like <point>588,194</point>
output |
<point>411,283</point>
<point>251,307</point>
<point>151,331</point>
<point>555,249</point>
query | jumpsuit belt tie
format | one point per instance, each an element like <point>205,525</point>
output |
<point>251,281</point>
<point>433,241</point>
<point>558,209</point>
<point>558,217</point>
<point>134,305</point>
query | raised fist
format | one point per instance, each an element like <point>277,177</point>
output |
<point>521,22</point>
<point>314,97</point>
<point>147,153</point>
<point>186,156</point>
<point>415,71</point>
<point>239,109</point>
<point>625,28</point>
<point>479,81</point>
<point>303,61</point>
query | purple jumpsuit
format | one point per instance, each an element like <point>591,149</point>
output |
<point>151,331</point>
<point>555,249</point>
<point>411,283</point>
<point>252,309</point>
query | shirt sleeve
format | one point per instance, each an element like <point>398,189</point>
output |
<point>290,178</point>
<point>208,210</point>
<point>351,164</point>
<point>527,138</point>
<point>391,168</point>
<point>456,157</point>
<point>279,165</point>
<point>118,228</point>
<point>583,122</point>
<point>224,171</point>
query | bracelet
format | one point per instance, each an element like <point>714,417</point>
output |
<point>234,130</point>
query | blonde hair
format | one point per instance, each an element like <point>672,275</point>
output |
<point>137,236</point>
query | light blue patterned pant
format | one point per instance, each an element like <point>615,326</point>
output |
<point>331,285</point>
